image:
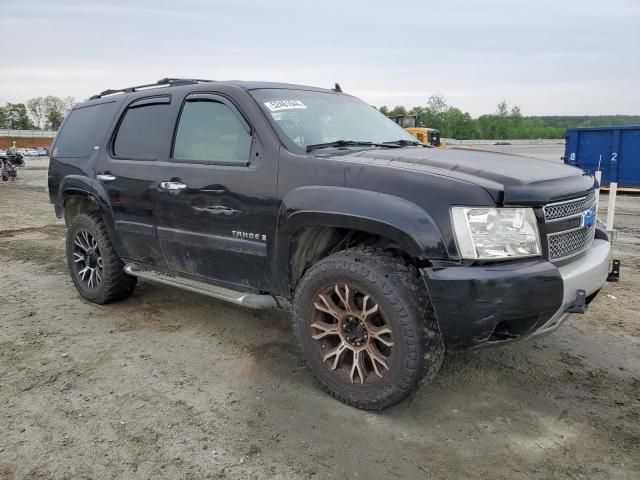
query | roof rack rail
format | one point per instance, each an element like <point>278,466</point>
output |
<point>168,82</point>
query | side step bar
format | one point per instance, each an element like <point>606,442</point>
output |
<point>250,300</point>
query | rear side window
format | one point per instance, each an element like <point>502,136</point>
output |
<point>210,131</point>
<point>84,129</point>
<point>142,132</point>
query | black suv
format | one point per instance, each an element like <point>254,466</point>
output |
<point>267,195</point>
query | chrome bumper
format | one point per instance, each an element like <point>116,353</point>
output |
<point>589,273</point>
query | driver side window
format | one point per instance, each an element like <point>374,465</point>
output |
<point>209,131</point>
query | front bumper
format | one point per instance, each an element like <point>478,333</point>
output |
<point>481,305</point>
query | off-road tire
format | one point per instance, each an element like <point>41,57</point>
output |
<point>115,283</point>
<point>418,350</point>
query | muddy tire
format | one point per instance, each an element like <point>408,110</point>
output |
<point>96,270</point>
<point>366,328</point>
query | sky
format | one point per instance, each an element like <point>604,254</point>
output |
<point>561,57</point>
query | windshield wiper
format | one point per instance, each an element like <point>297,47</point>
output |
<point>349,143</point>
<point>405,143</point>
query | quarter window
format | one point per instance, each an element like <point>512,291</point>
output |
<point>142,132</point>
<point>84,129</point>
<point>210,131</point>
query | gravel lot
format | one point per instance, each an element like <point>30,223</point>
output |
<point>169,384</point>
<point>543,152</point>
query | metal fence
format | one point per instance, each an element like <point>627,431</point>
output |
<point>28,133</point>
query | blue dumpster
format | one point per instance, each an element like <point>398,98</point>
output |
<point>615,149</point>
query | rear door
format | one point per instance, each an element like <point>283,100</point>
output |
<point>127,172</point>
<point>215,209</point>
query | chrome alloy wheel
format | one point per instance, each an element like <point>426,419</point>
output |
<point>87,259</point>
<point>352,332</point>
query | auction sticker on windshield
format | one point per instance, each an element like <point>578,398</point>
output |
<point>276,105</point>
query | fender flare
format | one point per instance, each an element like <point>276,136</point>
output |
<point>82,186</point>
<point>74,186</point>
<point>389,216</point>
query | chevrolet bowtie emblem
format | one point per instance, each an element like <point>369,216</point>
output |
<point>588,219</point>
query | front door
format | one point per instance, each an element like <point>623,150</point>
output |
<point>215,208</point>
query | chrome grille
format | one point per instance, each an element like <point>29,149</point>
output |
<point>569,243</point>
<point>569,208</point>
<point>574,239</point>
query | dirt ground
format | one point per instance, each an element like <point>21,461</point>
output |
<point>170,384</point>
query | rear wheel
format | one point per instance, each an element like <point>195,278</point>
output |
<point>96,270</point>
<point>366,328</point>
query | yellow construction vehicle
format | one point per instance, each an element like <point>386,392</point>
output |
<point>430,136</point>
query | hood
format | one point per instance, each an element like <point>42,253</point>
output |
<point>510,179</point>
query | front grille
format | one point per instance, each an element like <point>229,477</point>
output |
<point>566,244</point>
<point>569,208</point>
<point>567,239</point>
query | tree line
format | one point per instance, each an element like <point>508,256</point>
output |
<point>47,113</point>
<point>505,123</point>
<point>38,113</point>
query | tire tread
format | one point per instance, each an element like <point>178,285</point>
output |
<point>117,285</point>
<point>401,286</point>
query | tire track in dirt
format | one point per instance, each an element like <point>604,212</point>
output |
<point>20,231</point>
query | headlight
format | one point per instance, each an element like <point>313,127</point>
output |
<point>493,233</point>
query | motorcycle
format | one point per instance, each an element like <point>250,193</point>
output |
<point>8,170</point>
<point>16,159</point>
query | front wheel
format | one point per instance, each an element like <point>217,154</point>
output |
<point>96,270</point>
<point>366,328</point>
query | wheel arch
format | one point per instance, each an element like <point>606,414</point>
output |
<point>75,202</point>
<point>307,233</point>
<point>78,195</point>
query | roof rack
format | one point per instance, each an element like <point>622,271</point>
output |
<point>163,82</point>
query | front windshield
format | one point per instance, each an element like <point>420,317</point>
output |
<point>409,122</point>
<point>310,118</point>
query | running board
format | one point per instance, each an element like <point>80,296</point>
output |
<point>250,300</point>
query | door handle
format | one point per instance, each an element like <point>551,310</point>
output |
<point>172,186</point>
<point>217,210</point>
<point>105,177</point>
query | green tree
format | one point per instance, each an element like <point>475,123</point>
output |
<point>15,117</point>
<point>384,110</point>
<point>502,121</point>
<point>426,118</point>
<point>69,103</point>
<point>486,127</point>
<point>436,110</point>
<point>503,109</point>
<point>451,123</point>
<point>515,121</point>
<point>36,109</point>
<point>457,124</point>
<point>54,112</point>
<point>437,103</point>
<point>398,110</point>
